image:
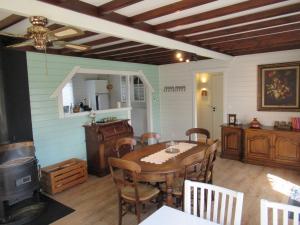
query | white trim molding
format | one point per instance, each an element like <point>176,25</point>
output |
<point>79,70</point>
<point>85,71</point>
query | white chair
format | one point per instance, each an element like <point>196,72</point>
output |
<point>280,212</point>
<point>213,203</point>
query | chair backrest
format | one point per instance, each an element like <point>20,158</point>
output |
<point>151,135</point>
<point>125,142</point>
<point>281,213</point>
<point>202,131</point>
<point>198,201</point>
<point>210,157</point>
<point>191,162</point>
<point>125,168</point>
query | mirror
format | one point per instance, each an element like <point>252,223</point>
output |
<point>86,92</point>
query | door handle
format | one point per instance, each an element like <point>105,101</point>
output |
<point>214,108</point>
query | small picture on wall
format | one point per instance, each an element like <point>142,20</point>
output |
<point>231,119</point>
<point>279,87</point>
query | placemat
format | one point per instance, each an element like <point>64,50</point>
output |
<point>163,156</point>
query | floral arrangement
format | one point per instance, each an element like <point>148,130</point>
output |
<point>279,87</point>
<point>92,115</point>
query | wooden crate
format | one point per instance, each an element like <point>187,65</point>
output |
<point>63,175</point>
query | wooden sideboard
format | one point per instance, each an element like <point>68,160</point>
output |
<point>272,148</point>
<point>266,146</point>
<point>100,144</point>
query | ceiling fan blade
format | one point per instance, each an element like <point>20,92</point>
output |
<point>12,35</point>
<point>22,44</point>
<point>76,47</point>
<point>64,32</point>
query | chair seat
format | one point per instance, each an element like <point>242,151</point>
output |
<point>146,192</point>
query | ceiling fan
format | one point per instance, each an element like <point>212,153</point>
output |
<point>40,37</point>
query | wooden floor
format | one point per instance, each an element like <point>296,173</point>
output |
<point>95,201</point>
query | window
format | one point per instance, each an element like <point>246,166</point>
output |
<point>67,93</point>
<point>138,90</point>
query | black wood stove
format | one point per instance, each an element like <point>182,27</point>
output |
<point>19,178</point>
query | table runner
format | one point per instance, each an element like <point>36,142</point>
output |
<point>162,156</point>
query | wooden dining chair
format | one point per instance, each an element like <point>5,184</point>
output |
<point>200,131</point>
<point>225,209</point>
<point>202,170</point>
<point>130,191</point>
<point>150,135</point>
<point>197,167</point>
<point>124,144</point>
<point>281,213</point>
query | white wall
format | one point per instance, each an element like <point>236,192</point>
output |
<point>240,90</point>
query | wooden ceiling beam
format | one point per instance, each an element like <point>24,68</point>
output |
<point>128,51</point>
<point>115,5</point>
<point>54,26</point>
<point>251,34</point>
<point>144,53</point>
<point>75,5</point>
<point>152,56</point>
<point>111,47</point>
<point>154,62</point>
<point>239,7</point>
<point>10,20</point>
<point>259,42</point>
<point>117,18</point>
<point>248,27</point>
<point>278,47</point>
<point>168,9</point>
<point>241,19</point>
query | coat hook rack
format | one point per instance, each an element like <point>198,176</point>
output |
<point>174,88</point>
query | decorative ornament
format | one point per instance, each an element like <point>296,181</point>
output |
<point>109,87</point>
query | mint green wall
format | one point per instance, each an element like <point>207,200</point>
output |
<point>60,139</point>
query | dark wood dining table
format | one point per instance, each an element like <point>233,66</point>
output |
<point>165,172</point>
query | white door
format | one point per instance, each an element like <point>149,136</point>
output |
<point>138,107</point>
<point>210,104</point>
<point>217,105</point>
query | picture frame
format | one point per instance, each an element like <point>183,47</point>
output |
<point>278,87</point>
<point>232,119</point>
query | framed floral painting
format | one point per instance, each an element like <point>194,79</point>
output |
<point>279,87</point>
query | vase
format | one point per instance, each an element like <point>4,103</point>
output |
<point>255,124</point>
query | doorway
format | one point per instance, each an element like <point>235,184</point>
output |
<point>139,106</point>
<point>209,102</point>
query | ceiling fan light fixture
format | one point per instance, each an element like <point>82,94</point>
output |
<point>38,32</point>
<point>67,32</point>
<point>39,36</point>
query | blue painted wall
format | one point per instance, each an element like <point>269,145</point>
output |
<point>60,139</point>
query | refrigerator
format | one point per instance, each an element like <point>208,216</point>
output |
<point>102,101</point>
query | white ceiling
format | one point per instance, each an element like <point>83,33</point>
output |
<point>111,29</point>
<point>96,2</point>
<point>233,15</point>
<point>4,14</point>
<point>194,10</point>
<point>143,6</point>
<point>98,25</point>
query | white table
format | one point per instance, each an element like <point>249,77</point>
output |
<point>169,216</point>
